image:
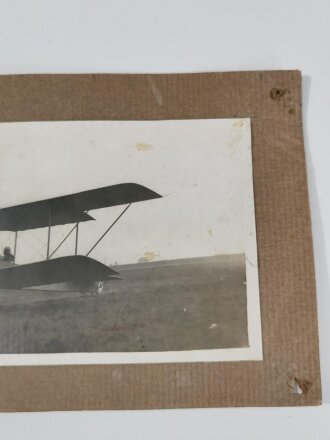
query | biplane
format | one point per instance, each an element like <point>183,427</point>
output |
<point>80,272</point>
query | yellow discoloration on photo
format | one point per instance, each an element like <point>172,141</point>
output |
<point>143,146</point>
<point>149,256</point>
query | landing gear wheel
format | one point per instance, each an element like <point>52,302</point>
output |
<point>100,285</point>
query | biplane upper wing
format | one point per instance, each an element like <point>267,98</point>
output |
<point>75,268</point>
<point>71,208</point>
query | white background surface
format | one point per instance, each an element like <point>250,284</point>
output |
<point>71,36</point>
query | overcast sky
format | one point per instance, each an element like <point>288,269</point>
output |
<point>201,167</point>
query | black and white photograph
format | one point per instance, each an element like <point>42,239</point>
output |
<point>128,242</point>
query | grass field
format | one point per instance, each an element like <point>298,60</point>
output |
<point>187,304</point>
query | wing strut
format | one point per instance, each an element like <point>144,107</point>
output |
<point>15,246</point>
<point>49,227</point>
<point>67,236</point>
<point>105,233</point>
<point>76,246</point>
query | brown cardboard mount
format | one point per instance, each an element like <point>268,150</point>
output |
<point>272,99</point>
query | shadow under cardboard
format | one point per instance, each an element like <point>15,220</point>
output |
<point>321,271</point>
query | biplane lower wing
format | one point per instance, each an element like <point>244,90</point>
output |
<point>75,268</point>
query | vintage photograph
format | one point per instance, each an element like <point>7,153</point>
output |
<point>128,242</point>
